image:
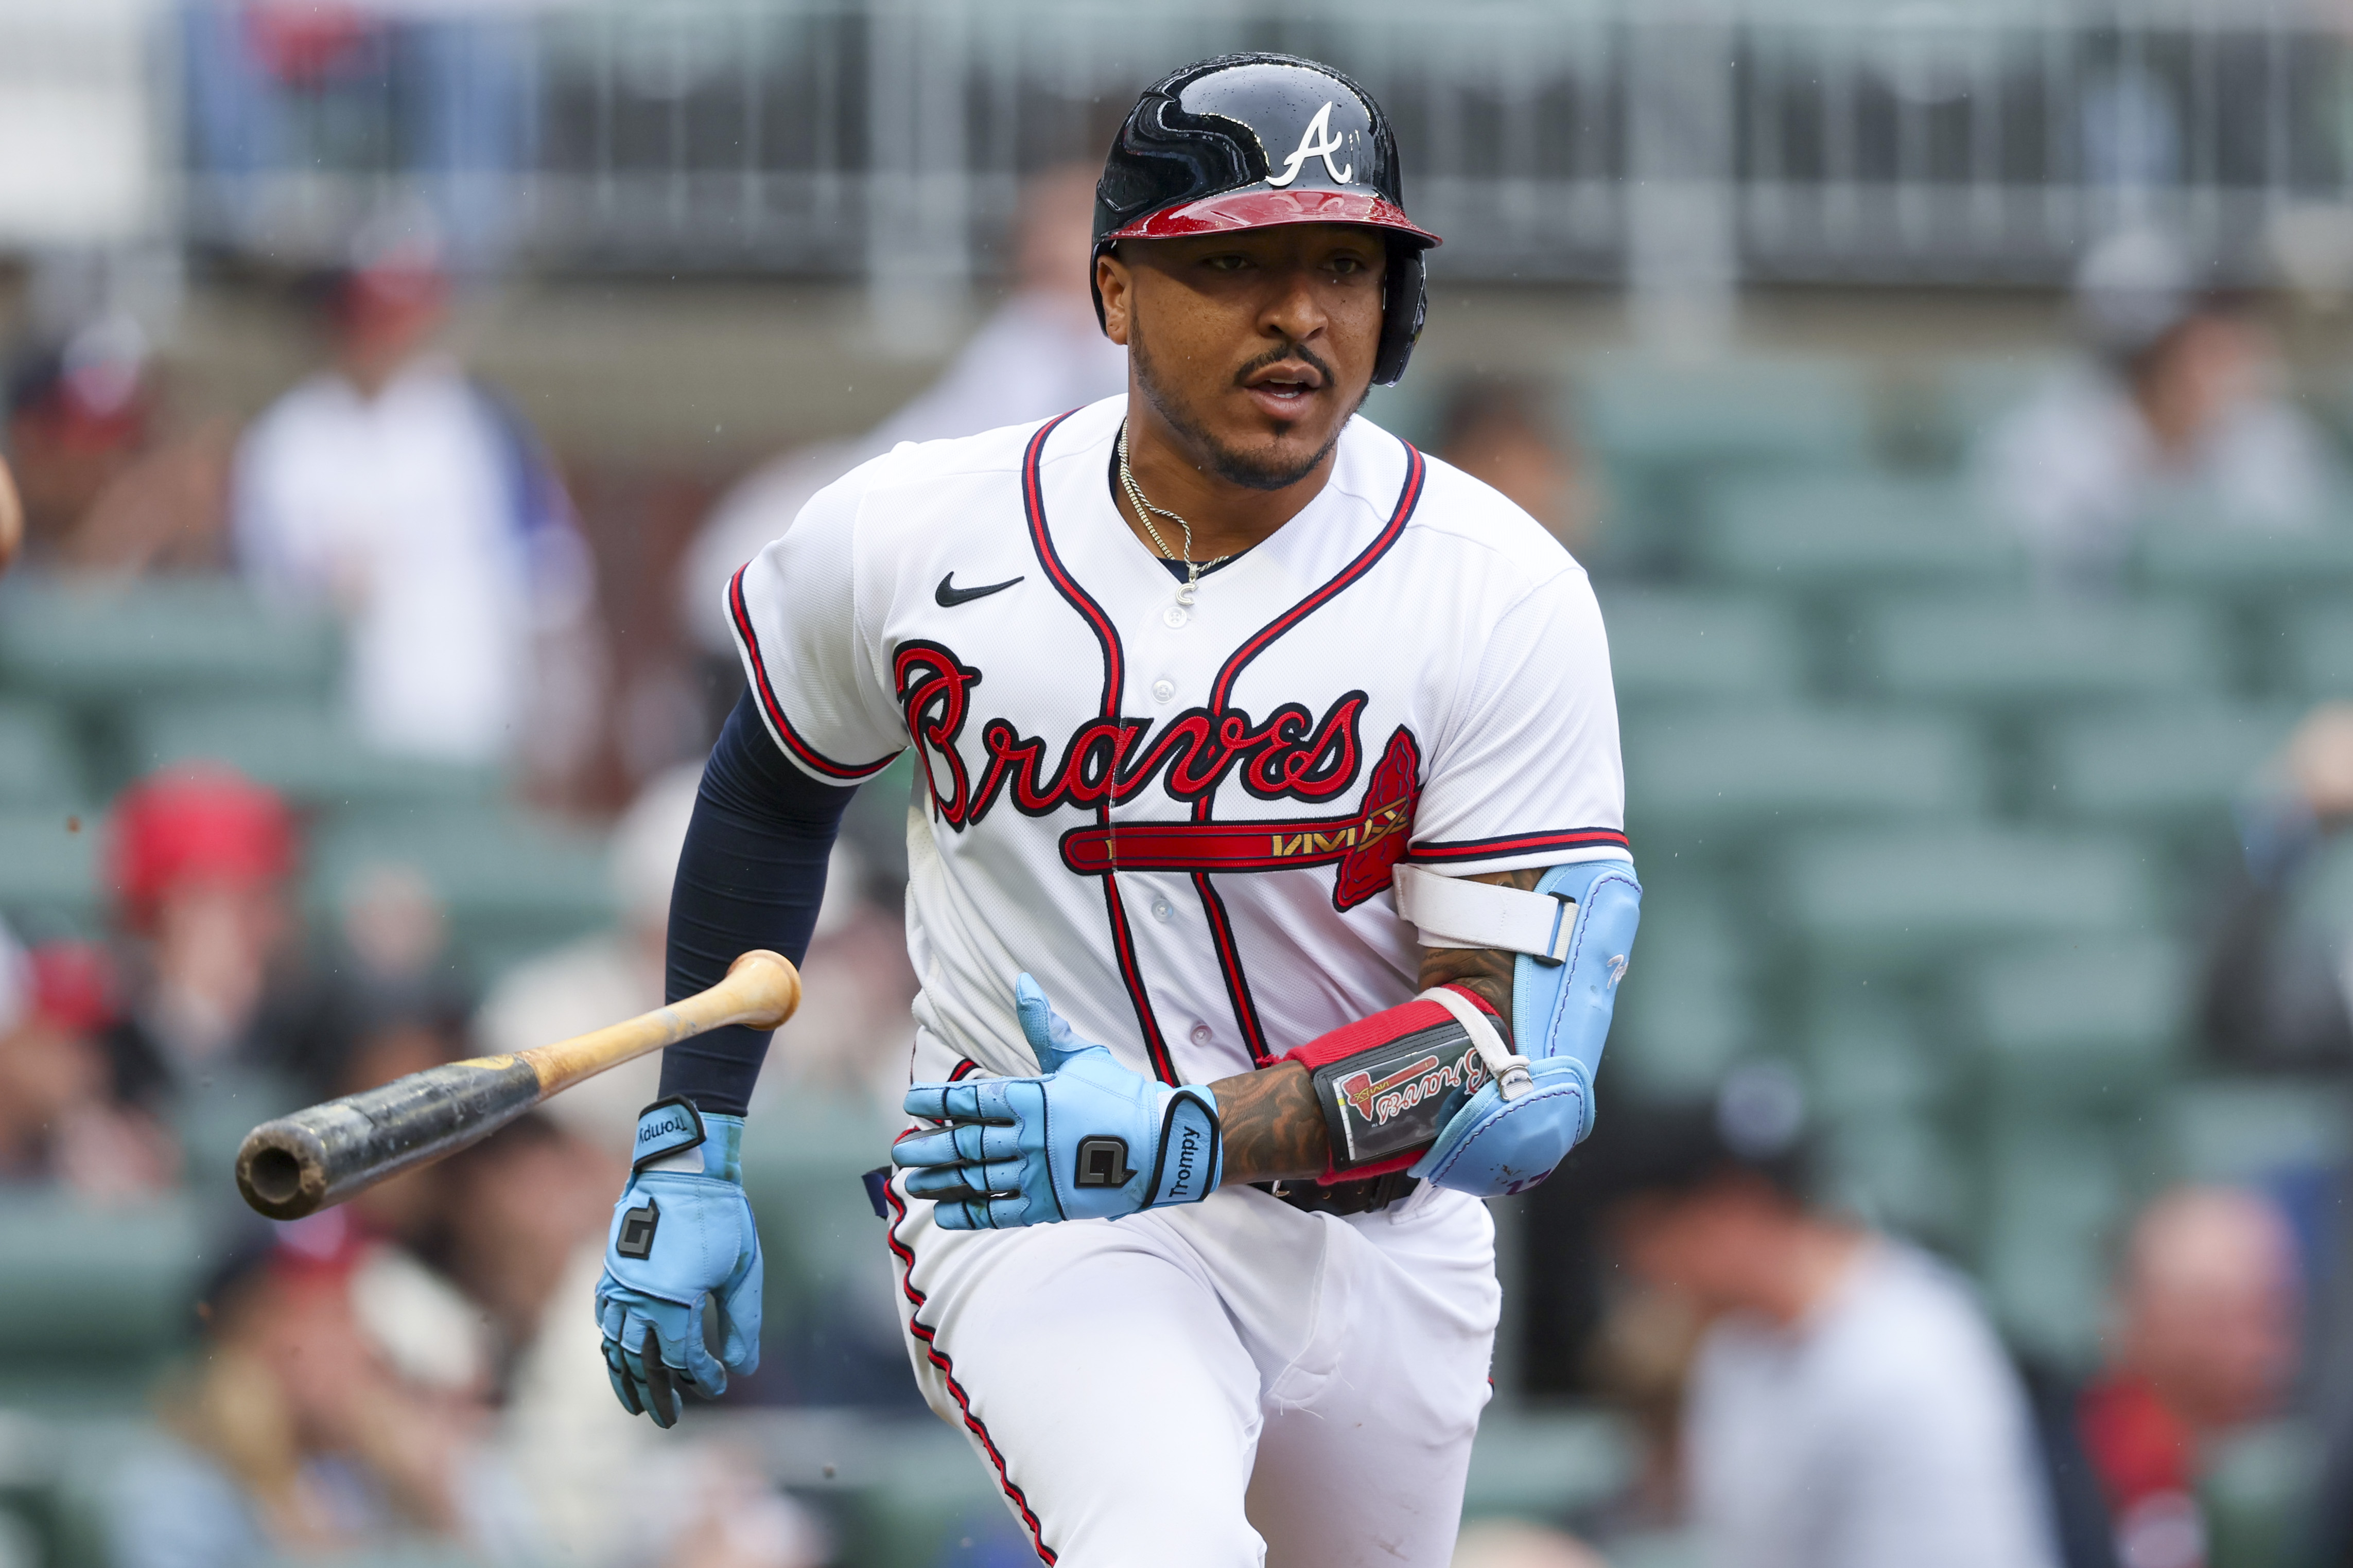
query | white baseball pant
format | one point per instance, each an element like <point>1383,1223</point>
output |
<point>1223,1385</point>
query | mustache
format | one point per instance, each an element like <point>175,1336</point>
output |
<point>1286,351</point>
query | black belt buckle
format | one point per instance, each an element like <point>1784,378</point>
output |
<point>1370,1196</point>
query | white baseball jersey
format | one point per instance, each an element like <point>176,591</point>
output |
<point>1181,820</point>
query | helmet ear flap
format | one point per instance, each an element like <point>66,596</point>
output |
<point>1102,247</point>
<point>1405,304</point>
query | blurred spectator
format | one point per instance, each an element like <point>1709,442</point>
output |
<point>104,489</point>
<point>2204,1340</point>
<point>58,1120</point>
<point>2280,954</point>
<point>201,861</point>
<point>304,1431</point>
<point>1848,1407</point>
<point>1509,435</point>
<point>1043,353</point>
<point>2179,413</point>
<point>394,487</point>
<point>525,1234</point>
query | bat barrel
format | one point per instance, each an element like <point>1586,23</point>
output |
<point>298,1164</point>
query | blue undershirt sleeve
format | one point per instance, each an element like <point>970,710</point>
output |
<point>751,874</point>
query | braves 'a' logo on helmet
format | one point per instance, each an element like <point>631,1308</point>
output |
<point>1315,142</point>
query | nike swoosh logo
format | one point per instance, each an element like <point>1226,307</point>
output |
<point>949,594</point>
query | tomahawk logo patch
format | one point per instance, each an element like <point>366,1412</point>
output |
<point>1316,142</point>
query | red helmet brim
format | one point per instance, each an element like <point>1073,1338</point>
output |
<point>1268,209</point>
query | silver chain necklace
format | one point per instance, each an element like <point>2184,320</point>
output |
<point>1145,510</point>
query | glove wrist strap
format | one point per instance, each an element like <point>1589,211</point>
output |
<point>672,1135</point>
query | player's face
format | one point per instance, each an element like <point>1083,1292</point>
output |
<point>1254,347</point>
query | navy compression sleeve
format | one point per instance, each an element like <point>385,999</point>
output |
<point>752,875</point>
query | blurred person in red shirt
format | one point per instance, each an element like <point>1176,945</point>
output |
<point>395,488</point>
<point>309,1428</point>
<point>1849,1405</point>
<point>59,1122</point>
<point>202,861</point>
<point>105,487</point>
<point>2204,1342</point>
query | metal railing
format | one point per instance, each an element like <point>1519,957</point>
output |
<point>1835,141</point>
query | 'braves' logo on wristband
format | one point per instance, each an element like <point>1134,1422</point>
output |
<point>1380,1100</point>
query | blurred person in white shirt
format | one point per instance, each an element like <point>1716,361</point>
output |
<point>1041,354</point>
<point>395,488</point>
<point>1849,1405</point>
<point>2178,411</point>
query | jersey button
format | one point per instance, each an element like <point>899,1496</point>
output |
<point>1162,909</point>
<point>1202,1035</point>
<point>1174,615</point>
<point>1163,691</point>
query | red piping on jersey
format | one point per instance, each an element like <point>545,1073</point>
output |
<point>965,1067</point>
<point>1519,844</point>
<point>1229,958</point>
<point>1122,941</point>
<point>854,772</point>
<point>939,1358</point>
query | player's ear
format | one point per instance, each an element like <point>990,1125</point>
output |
<point>1115,282</point>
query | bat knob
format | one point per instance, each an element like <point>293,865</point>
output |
<point>282,1169</point>
<point>771,987</point>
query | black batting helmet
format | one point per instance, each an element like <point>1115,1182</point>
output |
<point>1252,140</point>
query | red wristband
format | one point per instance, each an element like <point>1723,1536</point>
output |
<point>1437,1059</point>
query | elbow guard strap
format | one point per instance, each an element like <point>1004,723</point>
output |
<point>1388,1084</point>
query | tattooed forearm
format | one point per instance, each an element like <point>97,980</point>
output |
<point>1274,1130</point>
<point>1482,968</point>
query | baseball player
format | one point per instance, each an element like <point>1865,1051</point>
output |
<point>1268,890</point>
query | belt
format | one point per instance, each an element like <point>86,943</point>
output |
<point>1367,1196</point>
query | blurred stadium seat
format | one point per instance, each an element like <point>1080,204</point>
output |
<point>305,752</point>
<point>513,885</point>
<point>1756,767</point>
<point>1750,411</point>
<point>49,872</point>
<point>1849,531</point>
<point>2173,766</point>
<point>1909,897</point>
<point>93,1299</point>
<point>2015,652</point>
<point>37,763</point>
<point>115,643</point>
<point>2210,558</point>
<point>2095,1021</point>
<point>1668,647</point>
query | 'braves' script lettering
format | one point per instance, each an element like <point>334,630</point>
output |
<point>1288,755</point>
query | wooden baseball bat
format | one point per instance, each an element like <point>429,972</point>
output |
<point>300,1163</point>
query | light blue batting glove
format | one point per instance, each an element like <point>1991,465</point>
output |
<point>1089,1140</point>
<point>680,1300</point>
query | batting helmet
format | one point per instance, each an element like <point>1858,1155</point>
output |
<point>1253,140</point>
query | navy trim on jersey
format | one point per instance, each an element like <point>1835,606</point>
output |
<point>1123,941</point>
<point>854,773</point>
<point>939,1358</point>
<point>1449,851</point>
<point>1229,958</point>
